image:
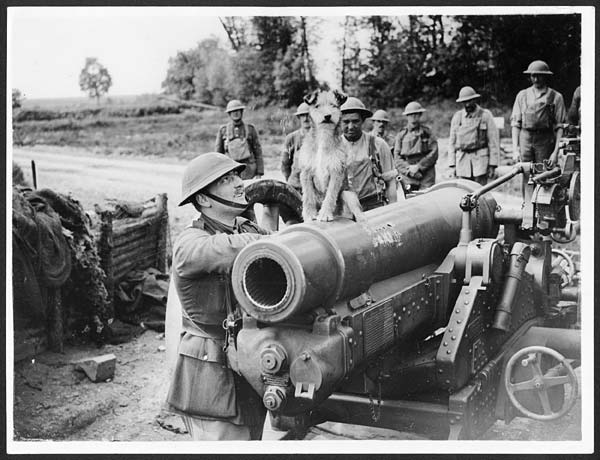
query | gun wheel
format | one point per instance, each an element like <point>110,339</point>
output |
<point>537,387</point>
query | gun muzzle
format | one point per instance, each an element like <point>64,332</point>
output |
<point>313,265</point>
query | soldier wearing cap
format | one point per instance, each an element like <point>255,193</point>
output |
<point>371,172</point>
<point>291,146</point>
<point>381,121</point>
<point>474,145</point>
<point>216,403</point>
<point>239,141</point>
<point>538,118</point>
<point>416,150</point>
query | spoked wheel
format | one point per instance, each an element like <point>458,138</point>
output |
<point>563,260</point>
<point>535,381</point>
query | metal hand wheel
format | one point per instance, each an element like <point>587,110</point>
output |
<point>567,267</point>
<point>528,361</point>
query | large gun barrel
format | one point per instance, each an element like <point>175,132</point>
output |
<point>314,265</point>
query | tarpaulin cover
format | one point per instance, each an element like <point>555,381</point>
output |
<point>51,234</point>
<point>141,297</point>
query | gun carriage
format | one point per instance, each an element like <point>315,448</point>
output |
<point>423,318</point>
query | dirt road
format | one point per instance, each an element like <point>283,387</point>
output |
<point>52,401</point>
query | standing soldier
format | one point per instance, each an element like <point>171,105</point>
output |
<point>416,150</point>
<point>216,403</point>
<point>291,146</point>
<point>538,117</point>
<point>239,141</point>
<point>371,172</point>
<point>381,121</point>
<point>574,113</point>
<point>474,145</point>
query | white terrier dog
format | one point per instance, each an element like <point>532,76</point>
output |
<point>322,162</point>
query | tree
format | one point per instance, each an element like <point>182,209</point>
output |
<point>203,73</point>
<point>94,79</point>
<point>17,98</point>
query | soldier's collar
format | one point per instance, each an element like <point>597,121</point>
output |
<point>539,92</point>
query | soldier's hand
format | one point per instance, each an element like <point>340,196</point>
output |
<point>452,171</point>
<point>413,170</point>
<point>491,172</point>
<point>552,160</point>
<point>257,176</point>
<point>516,155</point>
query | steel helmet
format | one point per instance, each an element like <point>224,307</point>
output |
<point>539,67</point>
<point>204,170</point>
<point>413,107</point>
<point>354,104</point>
<point>467,93</point>
<point>234,104</point>
<point>380,115</point>
<point>303,109</point>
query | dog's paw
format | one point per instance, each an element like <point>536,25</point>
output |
<point>325,216</point>
<point>360,217</point>
<point>308,216</point>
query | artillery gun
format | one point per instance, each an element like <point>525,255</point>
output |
<point>423,318</point>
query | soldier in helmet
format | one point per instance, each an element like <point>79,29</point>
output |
<point>239,141</point>
<point>538,118</point>
<point>474,145</point>
<point>215,402</point>
<point>371,172</point>
<point>291,146</point>
<point>416,150</point>
<point>381,121</point>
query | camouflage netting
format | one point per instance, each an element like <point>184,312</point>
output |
<point>53,247</point>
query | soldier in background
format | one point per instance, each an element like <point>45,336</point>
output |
<point>381,121</point>
<point>291,146</point>
<point>574,114</point>
<point>416,151</point>
<point>474,145</point>
<point>239,141</point>
<point>371,172</point>
<point>538,117</point>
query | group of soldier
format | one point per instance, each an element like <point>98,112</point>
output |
<point>383,168</point>
<point>216,402</point>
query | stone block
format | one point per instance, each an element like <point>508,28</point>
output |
<point>98,368</point>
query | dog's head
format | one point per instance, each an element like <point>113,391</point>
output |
<point>325,107</point>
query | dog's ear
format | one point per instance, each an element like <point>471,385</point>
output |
<point>311,98</point>
<point>339,96</point>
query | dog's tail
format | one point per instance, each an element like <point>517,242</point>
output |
<point>352,205</point>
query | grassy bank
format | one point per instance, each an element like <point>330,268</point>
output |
<point>148,126</point>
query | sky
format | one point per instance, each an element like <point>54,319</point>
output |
<point>47,47</point>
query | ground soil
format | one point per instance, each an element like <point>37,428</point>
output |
<point>53,401</point>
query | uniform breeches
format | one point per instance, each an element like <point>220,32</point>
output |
<point>481,180</point>
<point>250,171</point>
<point>536,146</point>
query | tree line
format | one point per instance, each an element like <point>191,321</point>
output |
<point>269,60</point>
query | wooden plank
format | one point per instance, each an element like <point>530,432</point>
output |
<point>129,244</point>
<point>122,269</point>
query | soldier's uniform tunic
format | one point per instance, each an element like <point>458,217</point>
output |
<point>289,161</point>
<point>240,142</point>
<point>538,114</point>
<point>416,146</point>
<point>474,144</point>
<point>203,386</point>
<point>574,113</point>
<point>388,139</point>
<point>370,164</point>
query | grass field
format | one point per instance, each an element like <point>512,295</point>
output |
<point>134,125</point>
